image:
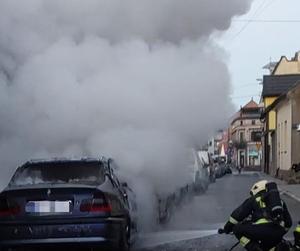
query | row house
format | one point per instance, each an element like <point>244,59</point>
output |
<point>286,136</point>
<point>283,76</point>
<point>273,87</point>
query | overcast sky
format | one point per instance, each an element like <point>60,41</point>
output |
<point>258,43</point>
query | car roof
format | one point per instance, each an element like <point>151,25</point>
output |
<point>35,162</point>
<point>54,161</point>
<point>65,160</point>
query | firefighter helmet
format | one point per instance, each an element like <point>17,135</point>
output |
<point>258,187</point>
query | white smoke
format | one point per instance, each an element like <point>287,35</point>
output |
<point>136,80</point>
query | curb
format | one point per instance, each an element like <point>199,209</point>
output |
<point>291,195</point>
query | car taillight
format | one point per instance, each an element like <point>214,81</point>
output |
<point>8,208</point>
<point>97,204</point>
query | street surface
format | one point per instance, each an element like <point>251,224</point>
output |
<point>194,225</point>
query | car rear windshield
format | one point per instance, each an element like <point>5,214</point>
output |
<point>59,173</point>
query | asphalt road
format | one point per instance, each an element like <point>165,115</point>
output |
<point>193,227</point>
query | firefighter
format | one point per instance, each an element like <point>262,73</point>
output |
<point>297,237</point>
<point>262,220</point>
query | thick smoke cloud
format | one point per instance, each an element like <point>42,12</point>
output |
<point>138,80</point>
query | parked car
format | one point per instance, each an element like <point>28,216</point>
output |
<point>208,163</point>
<point>198,181</point>
<point>220,165</point>
<point>166,205</point>
<point>129,194</point>
<point>217,168</point>
<point>228,169</point>
<point>199,173</point>
<point>64,201</point>
<point>132,203</point>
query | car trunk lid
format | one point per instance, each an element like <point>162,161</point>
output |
<point>57,201</point>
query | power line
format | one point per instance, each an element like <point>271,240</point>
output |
<point>248,96</point>
<point>256,13</point>
<point>267,20</point>
<point>261,8</point>
<point>266,7</point>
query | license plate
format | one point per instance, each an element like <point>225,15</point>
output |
<point>48,207</point>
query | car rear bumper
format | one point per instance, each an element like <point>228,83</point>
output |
<point>101,233</point>
<point>54,241</point>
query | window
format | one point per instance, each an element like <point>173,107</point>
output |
<point>88,173</point>
<point>241,122</point>
<point>256,136</point>
<point>242,136</point>
<point>253,122</point>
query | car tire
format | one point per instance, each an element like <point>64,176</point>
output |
<point>125,240</point>
<point>198,189</point>
<point>167,216</point>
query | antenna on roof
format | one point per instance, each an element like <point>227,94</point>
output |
<point>260,81</point>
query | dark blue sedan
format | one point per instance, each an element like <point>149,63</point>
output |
<point>65,202</point>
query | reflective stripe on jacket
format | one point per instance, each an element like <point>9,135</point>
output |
<point>256,208</point>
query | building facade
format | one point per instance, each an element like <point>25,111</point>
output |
<point>283,75</point>
<point>286,66</point>
<point>273,87</point>
<point>287,135</point>
<point>245,136</point>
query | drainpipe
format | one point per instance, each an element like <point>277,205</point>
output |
<point>267,169</point>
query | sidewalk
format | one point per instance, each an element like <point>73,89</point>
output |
<point>292,191</point>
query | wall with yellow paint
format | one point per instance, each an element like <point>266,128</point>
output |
<point>272,114</point>
<point>286,66</point>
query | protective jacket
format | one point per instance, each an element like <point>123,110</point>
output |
<point>255,210</point>
<point>297,237</point>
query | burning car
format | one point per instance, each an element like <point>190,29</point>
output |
<point>65,201</point>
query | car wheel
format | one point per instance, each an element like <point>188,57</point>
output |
<point>166,217</point>
<point>125,240</point>
<point>198,189</point>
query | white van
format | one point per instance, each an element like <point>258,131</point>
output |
<point>199,173</point>
<point>208,163</point>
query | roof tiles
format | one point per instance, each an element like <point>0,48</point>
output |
<point>276,85</point>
